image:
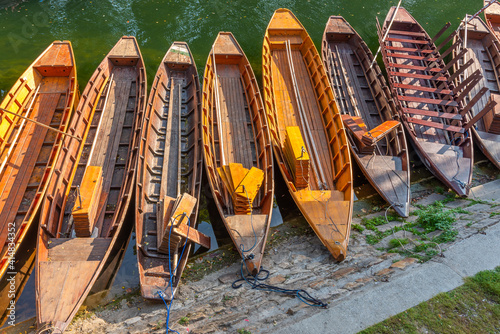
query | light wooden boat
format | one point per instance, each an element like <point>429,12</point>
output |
<point>297,93</point>
<point>361,92</point>
<point>234,131</point>
<point>46,93</point>
<point>430,106</point>
<point>492,16</point>
<point>71,251</point>
<point>484,49</point>
<point>170,164</point>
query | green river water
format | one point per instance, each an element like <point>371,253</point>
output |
<point>95,26</point>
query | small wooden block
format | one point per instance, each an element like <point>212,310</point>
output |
<point>164,209</point>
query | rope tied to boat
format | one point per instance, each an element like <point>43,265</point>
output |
<point>253,280</point>
<point>161,293</point>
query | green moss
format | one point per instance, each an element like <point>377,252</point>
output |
<point>394,243</point>
<point>357,227</point>
<point>184,321</point>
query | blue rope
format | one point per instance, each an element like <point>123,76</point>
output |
<point>171,282</point>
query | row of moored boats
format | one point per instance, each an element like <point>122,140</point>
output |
<point>76,166</point>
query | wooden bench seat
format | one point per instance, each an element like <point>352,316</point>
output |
<point>376,134</point>
<point>436,125</point>
<point>424,112</point>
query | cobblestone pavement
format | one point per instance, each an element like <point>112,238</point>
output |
<point>297,260</point>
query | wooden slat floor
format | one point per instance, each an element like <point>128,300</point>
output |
<point>235,117</point>
<point>288,114</point>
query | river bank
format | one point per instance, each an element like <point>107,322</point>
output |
<point>381,252</point>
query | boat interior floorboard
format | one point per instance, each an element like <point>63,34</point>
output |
<point>234,117</point>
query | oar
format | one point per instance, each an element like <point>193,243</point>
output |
<point>219,123</point>
<point>40,124</point>
<point>19,131</point>
<point>385,36</point>
<point>307,129</point>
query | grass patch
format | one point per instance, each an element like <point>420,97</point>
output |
<point>493,214</point>
<point>243,331</point>
<point>358,227</point>
<point>184,321</point>
<point>373,222</point>
<point>435,217</point>
<point>394,243</point>
<point>472,308</point>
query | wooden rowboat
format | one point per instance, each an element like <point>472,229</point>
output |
<point>85,206</point>
<point>235,136</point>
<point>170,165</point>
<point>307,130</point>
<point>376,137</point>
<point>484,49</point>
<point>45,93</point>
<point>430,106</point>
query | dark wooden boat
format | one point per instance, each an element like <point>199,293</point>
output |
<point>85,206</point>
<point>492,16</point>
<point>235,133</point>
<point>300,105</point>
<point>46,93</point>
<point>376,137</point>
<point>430,106</point>
<point>484,49</point>
<point>170,165</point>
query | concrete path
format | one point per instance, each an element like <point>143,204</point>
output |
<point>366,308</point>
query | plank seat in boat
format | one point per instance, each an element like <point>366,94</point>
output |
<point>425,112</point>
<point>81,249</point>
<point>440,102</point>
<point>417,76</point>
<point>408,33</point>
<point>440,91</point>
<point>403,40</point>
<point>416,68</point>
<point>436,125</point>
<point>407,49</point>
<point>412,57</point>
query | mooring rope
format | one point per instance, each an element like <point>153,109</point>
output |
<point>171,281</point>
<point>253,280</point>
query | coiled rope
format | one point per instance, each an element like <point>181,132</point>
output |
<point>254,280</point>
